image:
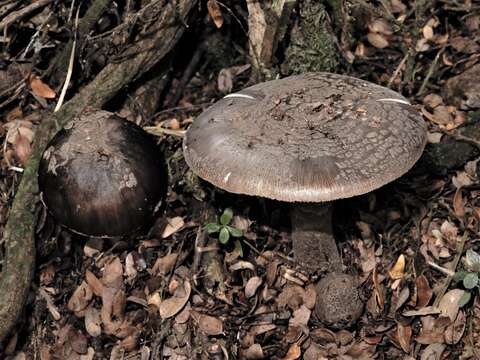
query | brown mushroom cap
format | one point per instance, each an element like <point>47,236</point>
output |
<point>312,137</point>
<point>102,175</point>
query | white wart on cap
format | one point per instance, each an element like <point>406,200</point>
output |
<point>311,138</point>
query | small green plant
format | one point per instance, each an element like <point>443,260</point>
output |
<point>224,230</point>
<point>469,276</point>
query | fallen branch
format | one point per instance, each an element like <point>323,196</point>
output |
<point>18,265</point>
<point>21,13</point>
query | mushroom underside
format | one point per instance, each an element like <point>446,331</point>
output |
<point>338,302</point>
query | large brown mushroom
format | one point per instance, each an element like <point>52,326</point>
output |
<point>309,139</point>
<point>102,175</point>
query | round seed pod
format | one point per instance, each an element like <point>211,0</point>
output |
<point>102,176</point>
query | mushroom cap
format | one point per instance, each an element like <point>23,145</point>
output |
<point>102,175</point>
<point>311,138</point>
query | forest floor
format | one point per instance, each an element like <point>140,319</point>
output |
<point>178,293</point>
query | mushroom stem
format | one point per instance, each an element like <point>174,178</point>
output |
<point>313,242</point>
<point>338,300</point>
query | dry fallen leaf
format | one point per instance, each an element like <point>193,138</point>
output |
<point>210,325</point>
<point>404,334</point>
<point>94,283</point>
<point>433,352</point>
<point>300,317</point>
<point>130,267</point>
<point>41,89</point>
<point>424,292</point>
<point>93,322</point>
<point>449,304</point>
<point>398,270</point>
<point>215,13</point>
<point>254,352</point>
<point>293,353</point>
<point>380,26</point>
<point>165,264</point>
<point>458,205</point>
<point>173,225</point>
<point>433,100</point>
<point>252,285</point>
<point>89,355</point>
<point>22,149</point>
<point>427,32</point>
<point>113,296</point>
<point>172,306</point>
<point>377,40</point>
<point>454,332</point>
<point>80,298</point>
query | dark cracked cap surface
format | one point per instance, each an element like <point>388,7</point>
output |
<point>311,138</point>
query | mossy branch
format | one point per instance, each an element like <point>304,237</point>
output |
<point>19,235</point>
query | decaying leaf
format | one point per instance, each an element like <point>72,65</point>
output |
<point>433,352</point>
<point>215,13</point>
<point>293,353</point>
<point>377,40</point>
<point>254,352</point>
<point>80,298</point>
<point>94,283</point>
<point>449,304</point>
<point>398,270</point>
<point>424,292</point>
<point>165,264</point>
<point>210,325</point>
<point>404,334</point>
<point>172,306</point>
<point>113,296</point>
<point>300,317</point>
<point>41,89</point>
<point>23,149</point>
<point>173,225</point>
<point>454,332</point>
<point>93,321</point>
<point>252,285</point>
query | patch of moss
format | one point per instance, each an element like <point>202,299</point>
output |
<point>312,47</point>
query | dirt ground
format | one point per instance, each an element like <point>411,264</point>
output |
<point>177,292</point>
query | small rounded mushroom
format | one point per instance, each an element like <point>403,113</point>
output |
<point>102,175</point>
<point>311,138</point>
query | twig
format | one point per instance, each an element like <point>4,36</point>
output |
<point>398,69</point>
<point>34,37</point>
<point>200,241</point>
<point>430,71</point>
<point>446,271</point>
<point>20,14</point>
<point>449,278</point>
<point>159,131</point>
<point>70,66</point>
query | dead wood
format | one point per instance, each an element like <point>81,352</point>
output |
<point>163,33</point>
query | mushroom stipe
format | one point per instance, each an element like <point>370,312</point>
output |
<point>304,139</point>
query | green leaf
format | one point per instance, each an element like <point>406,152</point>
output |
<point>226,216</point>
<point>238,247</point>
<point>460,275</point>
<point>224,235</point>
<point>212,228</point>
<point>464,299</point>
<point>234,231</point>
<point>470,281</point>
<point>472,260</point>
